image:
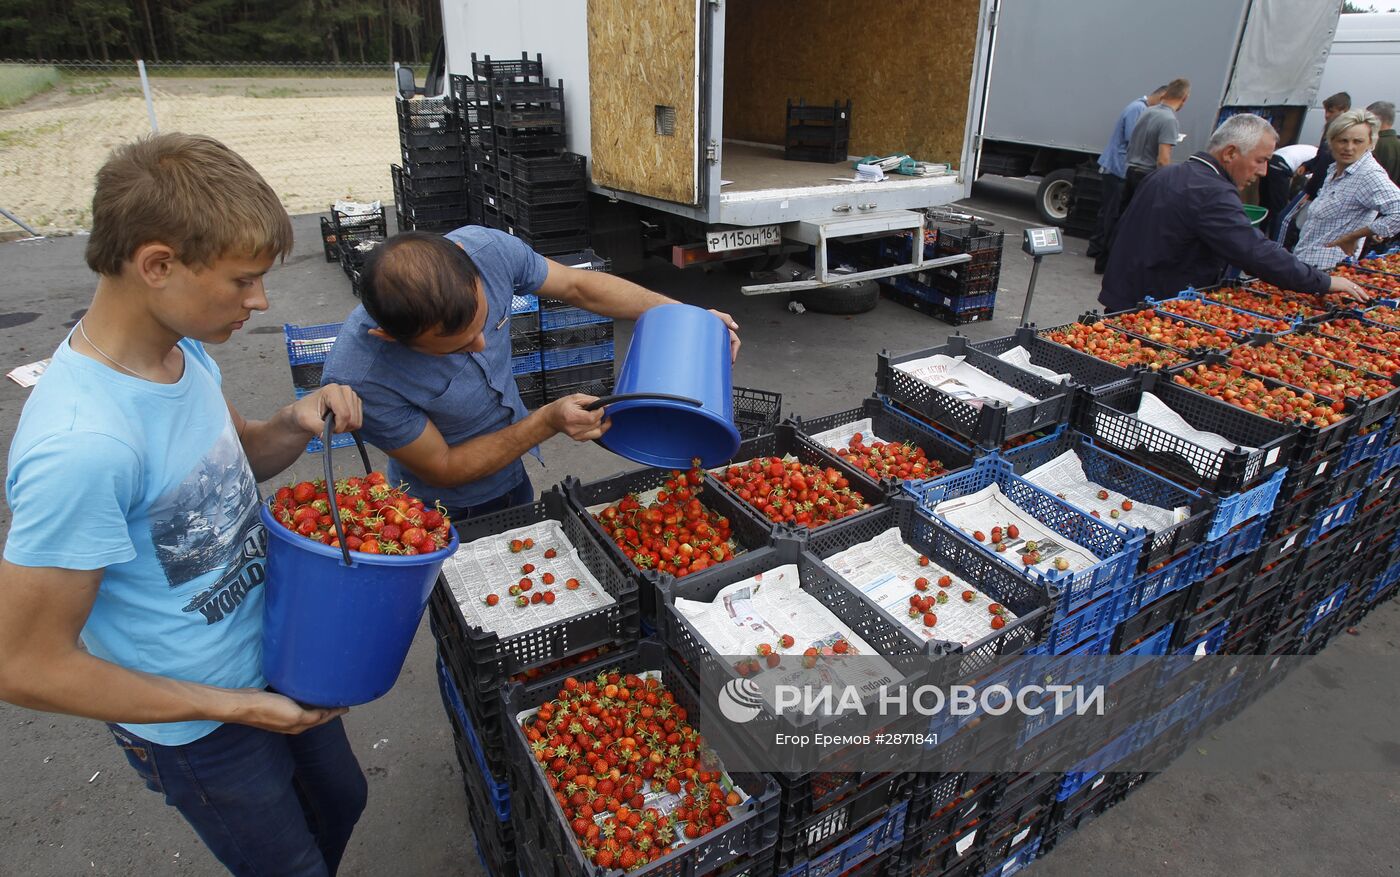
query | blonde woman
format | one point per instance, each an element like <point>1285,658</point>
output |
<point>1357,199</point>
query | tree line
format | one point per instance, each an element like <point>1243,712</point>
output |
<point>335,31</point>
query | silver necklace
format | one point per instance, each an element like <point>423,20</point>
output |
<point>83,331</point>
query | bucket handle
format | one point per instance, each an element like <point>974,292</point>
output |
<point>330,478</point>
<point>627,397</point>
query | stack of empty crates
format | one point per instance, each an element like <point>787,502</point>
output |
<point>348,236</point>
<point>521,179</point>
<point>576,346</point>
<point>817,133</point>
<point>1088,196</point>
<point>430,187</point>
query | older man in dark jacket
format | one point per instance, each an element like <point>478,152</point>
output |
<point>1186,224</point>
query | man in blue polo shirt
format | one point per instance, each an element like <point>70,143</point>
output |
<point>1113,169</point>
<point>428,352</point>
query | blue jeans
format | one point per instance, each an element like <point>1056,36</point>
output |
<point>264,803</point>
<point>521,494</point>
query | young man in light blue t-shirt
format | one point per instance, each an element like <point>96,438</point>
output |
<point>133,488</point>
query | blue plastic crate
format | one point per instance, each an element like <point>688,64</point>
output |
<point>1222,697</point>
<point>315,446</point>
<point>1382,583</point>
<point>1225,549</point>
<point>497,792</point>
<point>1117,551</point>
<point>1017,861</point>
<point>1162,721</point>
<point>1360,448</point>
<point>956,303</point>
<point>1332,517</point>
<point>1123,476</point>
<point>1388,458</point>
<point>1149,586</point>
<point>1087,771</point>
<point>524,304</point>
<point>576,356</point>
<point>885,834</point>
<point>1233,510</point>
<point>525,364</point>
<point>1089,622</point>
<point>1325,607</point>
<point>567,318</point>
<point>309,345</point>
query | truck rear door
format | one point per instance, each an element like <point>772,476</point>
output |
<point>646,95</point>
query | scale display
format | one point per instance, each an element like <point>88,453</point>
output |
<point>1042,241</point>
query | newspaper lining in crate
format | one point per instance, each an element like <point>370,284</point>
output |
<point>655,795</point>
<point>1064,476</point>
<point>989,507</point>
<point>1021,358</point>
<point>966,383</point>
<point>840,436</point>
<point>761,609</point>
<point>1154,412</point>
<point>885,569</point>
<point>488,566</point>
<point>357,208</point>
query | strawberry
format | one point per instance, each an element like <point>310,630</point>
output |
<point>764,650</point>
<point>809,658</point>
<point>1013,531</point>
<point>550,554</point>
<point>923,561</point>
<point>786,641</point>
<point>998,622</point>
<point>969,596</point>
<point>516,546</point>
<point>1127,505</point>
<point>979,536</point>
<point>548,598</point>
<point>921,583</point>
<point>528,568</point>
<point>492,599</point>
<point>840,647</point>
<point>930,619</point>
<point>572,584</point>
<point>944,581</point>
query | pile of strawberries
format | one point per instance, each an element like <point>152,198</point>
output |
<point>603,744</point>
<point>1384,314</point>
<point>1312,373</point>
<point>1361,333</point>
<point>675,533</point>
<point>377,518</point>
<point>1173,333</point>
<point>1343,351</point>
<point>1264,298</point>
<point>1104,342</point>
<point>1232,385</point>
<point>904,461</point>
<point>793,492</point>
<point>1387,285</point>
<point>1219,315</point>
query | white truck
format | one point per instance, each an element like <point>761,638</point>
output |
<point>1065,69</point>
<point>1364,62</point>
<point>680,107</point>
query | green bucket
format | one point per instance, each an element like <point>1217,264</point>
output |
<point>1255,213</point>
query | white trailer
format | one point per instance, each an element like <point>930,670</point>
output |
<point>1065,69</point>
<point>1364,62</point>
<point>680,107</point>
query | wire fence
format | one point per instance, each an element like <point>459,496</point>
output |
<point>316,132</point>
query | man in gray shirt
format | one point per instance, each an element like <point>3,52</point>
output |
<point>1149,148</point>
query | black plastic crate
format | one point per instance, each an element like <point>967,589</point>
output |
<point>329,240</point>
<point>544,217</point>
<point>553,244</point>
<point>984,245</point>
<point>523,139</point>
<point>439,164</point>
<point>524,69</point>
<point>936,309</point>
<point>748,531</point>
<point>418,188</point>
<point>1311,441</point>
<point>580,379</point>
<point>1086,371</point>
<point>1110,419</point>
<point>989,425</point>
<point>577,336</point>
<point>542,826</point>
<point>830,154</point>
<point>786,441</point>
<point>568,193</point>
<point>492,660</point>
<point>756,412</point>
<point>1150,618</point>
<point>803,836</point>
<point>1211,612</point>
<point>423,107</point>
<point>1093,318</point>
<point>892,425</point>
<point>1030,603</point>
<point>1133,481</point>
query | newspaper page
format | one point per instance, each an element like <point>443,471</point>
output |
<point>885,570</point>
<point>989,507</point>
<point>656,796</point>
<point>1064,476</point>
<point>1154,412</point>
<point>1021,358</point>
<point>488,566</point>
<point>28,375</point>
<point>761,609</point>
<point>357,208</point>
<point>952,375</point>
<point>840,436</point>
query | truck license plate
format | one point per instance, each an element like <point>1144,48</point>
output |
<point>742,238</point>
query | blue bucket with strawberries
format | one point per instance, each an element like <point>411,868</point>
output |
<point>337,623</point>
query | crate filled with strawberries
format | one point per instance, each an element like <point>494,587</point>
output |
<point>1029,350</point>
<point>886,444</point>
<point>646,794</point>
<point>1092,335</point>
<point>1267,300</point>
<point>1384,283</point>
<point>1355,352</point>
<point>1191,307</point>
<point>1165,329</point>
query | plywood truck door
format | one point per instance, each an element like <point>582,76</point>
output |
<point>644,95</point>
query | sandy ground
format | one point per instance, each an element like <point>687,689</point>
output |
<point>314,140</point>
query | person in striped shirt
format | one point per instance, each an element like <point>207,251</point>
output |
<point>1357,199</point>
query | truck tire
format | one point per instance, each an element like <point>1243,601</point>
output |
<point>847,298</point>
<point>1054,196</point>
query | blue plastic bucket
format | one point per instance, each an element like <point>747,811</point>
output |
<point>681,351</point>
<point>335,635</point>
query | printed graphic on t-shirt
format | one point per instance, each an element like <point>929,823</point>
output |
<point>209,522</point>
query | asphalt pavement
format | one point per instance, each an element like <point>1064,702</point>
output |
<point>69,804</point>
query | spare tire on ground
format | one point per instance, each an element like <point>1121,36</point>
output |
<point>855,297</point>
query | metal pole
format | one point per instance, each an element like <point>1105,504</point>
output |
<point>1030,292</point>
<point>19,222</point>
<point>146,90</point>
